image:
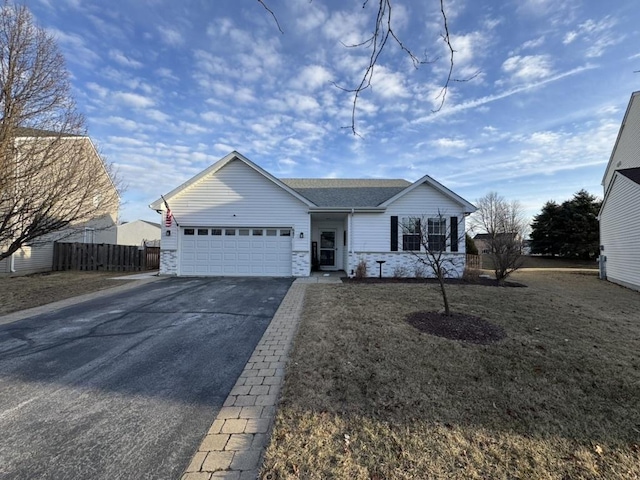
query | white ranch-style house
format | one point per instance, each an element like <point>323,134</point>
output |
<point>236,219</point>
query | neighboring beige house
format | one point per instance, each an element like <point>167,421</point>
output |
<point>481,241</point>
<point>235,218</point>
<point>37,256</point>
<point>138,232</point>
<point>620,211</point>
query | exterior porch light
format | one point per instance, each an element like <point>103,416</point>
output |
<point>301,234</point>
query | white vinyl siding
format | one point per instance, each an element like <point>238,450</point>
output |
<point>372,231</point>
<point>627,149</point>
<point>38,258</point>
<point>620,232</point>
<point>134,233</point>
<point>237,196</point>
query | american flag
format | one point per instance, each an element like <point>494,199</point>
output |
<point>168,218</point>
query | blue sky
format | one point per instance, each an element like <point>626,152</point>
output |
<point>170,87</point>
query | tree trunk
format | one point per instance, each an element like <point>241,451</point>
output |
<point>443,289</point>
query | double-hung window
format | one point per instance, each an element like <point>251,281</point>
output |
<point>436,234</point>
<point>410,233</point>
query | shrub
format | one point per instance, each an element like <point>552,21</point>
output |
<point>419,271</point>
<point>361,269</point>
<point>400,271</point>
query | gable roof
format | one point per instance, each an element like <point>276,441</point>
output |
<point>632,174</point>
<point>331,192</point>
<point>632,104</point>
<point>158,204</point>
<point>467,207</point>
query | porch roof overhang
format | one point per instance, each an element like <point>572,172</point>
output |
<point>347,209</point>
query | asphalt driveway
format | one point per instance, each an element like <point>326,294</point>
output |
<point>126,386</point>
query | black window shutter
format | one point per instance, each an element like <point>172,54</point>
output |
<point>394,234</point>
<point>454,234</point>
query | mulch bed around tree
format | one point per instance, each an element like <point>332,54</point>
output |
<point>487,282</point>
<point>457,326</point>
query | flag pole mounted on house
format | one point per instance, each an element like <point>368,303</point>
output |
<point>168,219</point>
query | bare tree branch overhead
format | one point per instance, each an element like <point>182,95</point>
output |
<point>264,5</point>
<point>382,32</point>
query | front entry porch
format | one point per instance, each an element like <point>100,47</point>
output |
<point>329,241</point>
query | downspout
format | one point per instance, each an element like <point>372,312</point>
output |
<point>12,263</point>
<point>350,242</point>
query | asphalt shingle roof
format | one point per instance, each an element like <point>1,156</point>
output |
<point>37,132</point>
<point>349,193</point>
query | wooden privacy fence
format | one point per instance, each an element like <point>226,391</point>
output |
<point>474,262</point>
<point>105,257</point>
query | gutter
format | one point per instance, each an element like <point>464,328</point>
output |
<point>347,209</point>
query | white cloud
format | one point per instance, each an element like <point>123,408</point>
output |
<point>312,77</point>
<point>449,143</point>
<point>98,90</point>
<point>388,84</point>
<point>123,60</point>
<point>450,109</point>
<point>157,115</point>
<point>346,27</point>
<point>75,47</point>
<point>123,123</point>
<point>223,148</point>
<point>528,68</point>
<point>166,73</point>
<point>171,36</point>
<point>133,100</point>
<point>597,35</point>
<point>535,43</point>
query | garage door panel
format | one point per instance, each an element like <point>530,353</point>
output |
<point>236,252</point>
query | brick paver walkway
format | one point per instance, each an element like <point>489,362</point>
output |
<point>235,443</point>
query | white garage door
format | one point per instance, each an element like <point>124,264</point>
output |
<point>235,251</point>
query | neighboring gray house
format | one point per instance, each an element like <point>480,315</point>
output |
<point>234,218</point>
<point>620,212</point>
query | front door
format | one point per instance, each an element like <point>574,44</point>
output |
<point>327,248</point>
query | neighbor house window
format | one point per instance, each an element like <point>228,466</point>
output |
<point>89,235</point>
<point>410,233</point>
<point>437,238</point>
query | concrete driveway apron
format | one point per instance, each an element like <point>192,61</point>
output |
<point>126,386</point>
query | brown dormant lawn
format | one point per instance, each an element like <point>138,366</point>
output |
<point>19,293</point>
<point>367,396</point>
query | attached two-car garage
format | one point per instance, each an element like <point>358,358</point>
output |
<point>242,251</point>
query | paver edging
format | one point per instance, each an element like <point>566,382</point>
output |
<point>236,441</point>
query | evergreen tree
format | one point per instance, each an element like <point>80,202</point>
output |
<point>568,230</point>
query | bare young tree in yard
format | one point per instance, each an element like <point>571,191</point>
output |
<point>505,226</point>
<point>51,177</point>
<point>434,241</point>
